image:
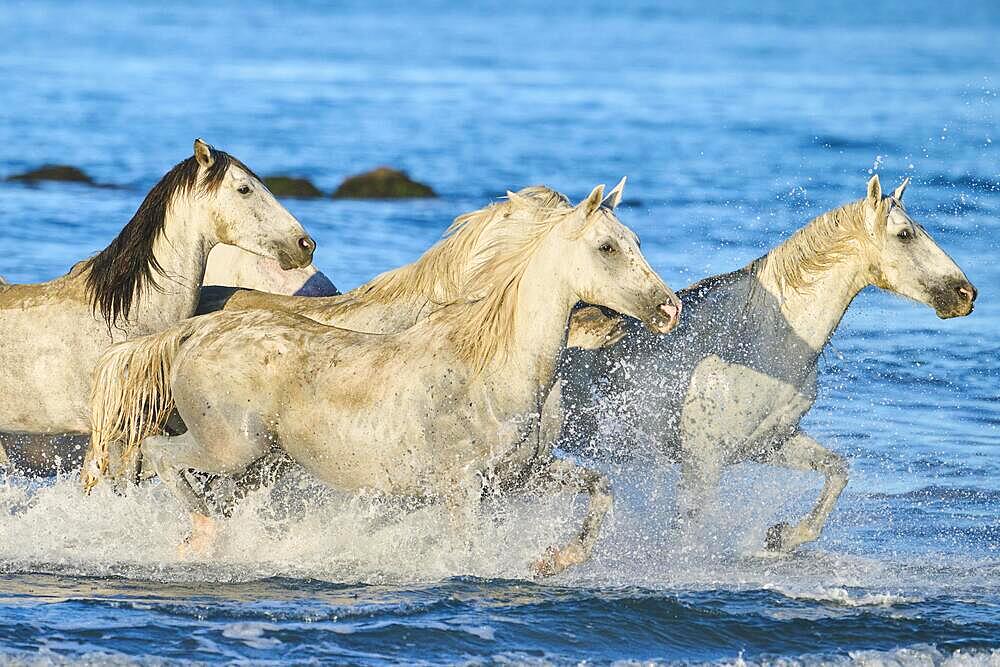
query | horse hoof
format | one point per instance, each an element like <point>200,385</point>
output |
<point>547,565</point>
<point>777,537</point>
<point>559,560</point>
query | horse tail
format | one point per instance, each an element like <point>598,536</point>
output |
<point>3,281</point>
<point>131,398</point>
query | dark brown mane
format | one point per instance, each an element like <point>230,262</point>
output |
<point>124,270</point>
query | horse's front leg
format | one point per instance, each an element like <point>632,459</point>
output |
<point>801,452</point>
<point>462,499</point>
<point>560,475</point>
<point>701,466</point>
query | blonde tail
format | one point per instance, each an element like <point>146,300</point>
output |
<point>130,400</point>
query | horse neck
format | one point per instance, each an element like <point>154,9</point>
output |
<point>814,310</point>
<point>541,316</point>
<point>182,251</point>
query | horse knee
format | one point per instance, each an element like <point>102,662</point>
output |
<point>598,484</point>
<point>836,468</point>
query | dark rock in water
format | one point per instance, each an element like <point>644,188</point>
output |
<point>382,183</point>
<point>53,172</point>
<point>288,186</point>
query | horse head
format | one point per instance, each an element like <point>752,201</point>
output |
<point>906,260</point>
<point>609,267</point>
<point>245,213</point>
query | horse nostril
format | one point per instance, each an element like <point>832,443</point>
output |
<point>307,243</point>
<point>669,311</point>
<point>967,291</point>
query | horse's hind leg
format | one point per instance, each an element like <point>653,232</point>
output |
<point>560,475</point>
<point>801,452</point>
<point>169,457</point>
<point>172,456</point>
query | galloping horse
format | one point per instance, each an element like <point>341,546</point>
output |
<point>51,334</point>
<point>396,299</point>
<point>443,410</point>
<point>733,382</point>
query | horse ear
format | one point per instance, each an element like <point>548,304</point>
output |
<point>874,191</point>
<point>897,194</point>
<point>203,153</point>
<point>615,196</point>
<point>593,201</point>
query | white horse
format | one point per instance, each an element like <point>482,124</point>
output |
<point>393,301</point>
<point>443,410</point>
<point>733,382</point>
<point>228,267</point>
<point>51,334</point>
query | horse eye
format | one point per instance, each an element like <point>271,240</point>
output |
<point>607,248</point>
<point>905,235</point>
<point>243,189</point>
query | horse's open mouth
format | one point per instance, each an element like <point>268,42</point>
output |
<point>665,318</point>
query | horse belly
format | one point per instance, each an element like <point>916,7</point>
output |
<point>738,409</point>
<point>47,355</point>
<point>351,450</point>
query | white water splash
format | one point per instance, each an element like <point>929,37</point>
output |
<point>303,530</point>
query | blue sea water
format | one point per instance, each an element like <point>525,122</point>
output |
<point>735,123</point>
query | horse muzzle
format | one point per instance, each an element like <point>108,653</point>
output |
<point>665,317</point>
<point>957,299</point>
<point>298,256</point>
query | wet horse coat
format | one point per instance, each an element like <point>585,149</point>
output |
<point>443,410</point>
<point>733,381</point>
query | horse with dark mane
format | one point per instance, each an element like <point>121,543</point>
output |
<point>52,333</point>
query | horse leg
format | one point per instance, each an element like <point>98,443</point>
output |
<point>698,485</point>
<point>801,452</point>
<point>553,415</point>
<point>171,456</point>
<point>558,476</point>
<point>226,491</point>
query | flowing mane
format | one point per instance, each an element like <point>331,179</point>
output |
<point>440,273</point>
<point>816,247</point>
<point>481,325</point>
<point>122,272</point>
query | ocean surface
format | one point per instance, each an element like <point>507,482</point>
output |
<point>735,122</point>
